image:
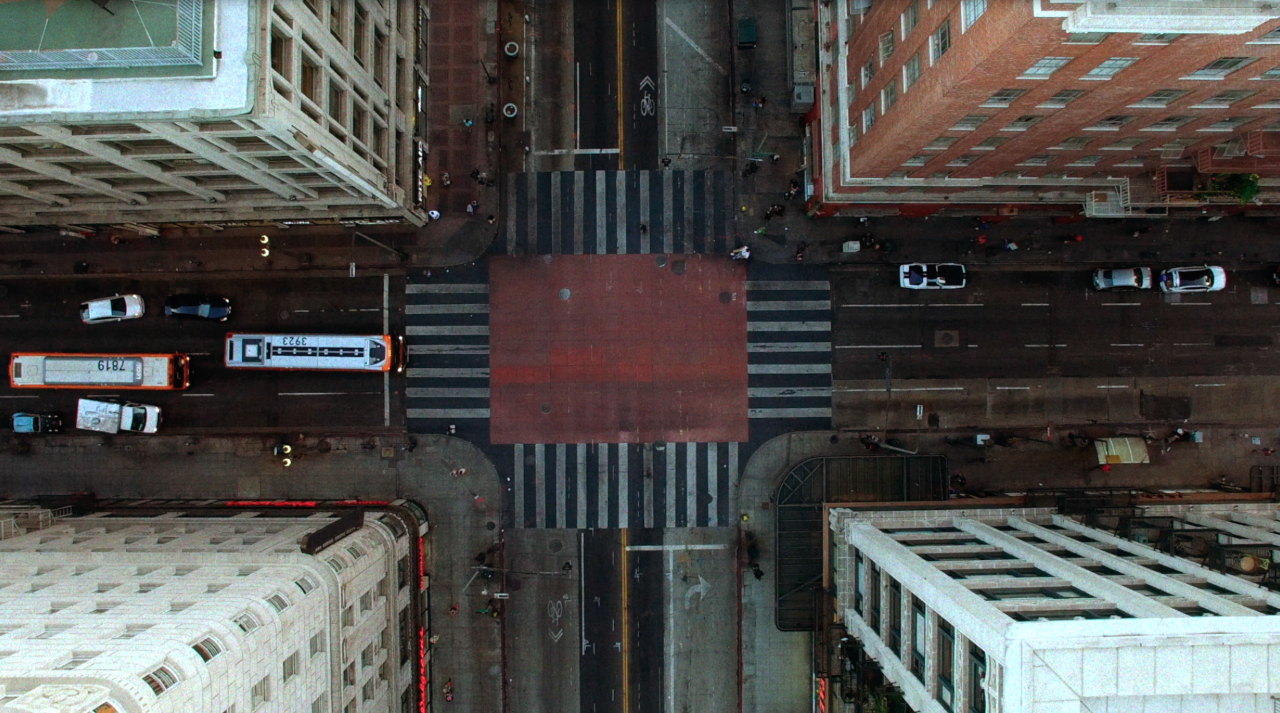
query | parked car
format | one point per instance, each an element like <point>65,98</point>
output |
<point>112,309</point>
<point>1122,278</point>
<point>198,307</point>
<point>36,423</point>
<point>932,276</point>
<point>1205,278</point>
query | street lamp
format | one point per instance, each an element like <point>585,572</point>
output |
<point>488,77</point>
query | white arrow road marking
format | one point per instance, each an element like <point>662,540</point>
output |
<point>701,589</point>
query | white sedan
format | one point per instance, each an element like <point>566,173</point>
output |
<point>1122,278</point>
<point>112,309</point>
<point>932,276</point>
<point>1206,278</point>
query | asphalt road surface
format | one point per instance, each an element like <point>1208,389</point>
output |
<point>1019,324</point>
<point>43,316</point>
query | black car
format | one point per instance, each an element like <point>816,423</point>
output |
<point>198,307</point>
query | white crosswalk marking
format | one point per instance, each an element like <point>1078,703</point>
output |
<point>447,340</point>
<point>789,351</point>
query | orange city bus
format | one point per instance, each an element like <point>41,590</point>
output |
<point>99,371</point>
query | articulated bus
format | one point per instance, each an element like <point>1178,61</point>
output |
<point>98,371</point>
<point>316,352</point>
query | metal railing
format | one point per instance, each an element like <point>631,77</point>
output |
<point>185,50</point>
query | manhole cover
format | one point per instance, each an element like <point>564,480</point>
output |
<point>565,293</point>
<point>661,260</point>
<point>491,525</point>
<point>546,408</point>
<point>284,314</point>
<point>726,297</point>
<point>678,267</point>
<point>555,545</point>
<point>946,338</point>
<point>548,258</point>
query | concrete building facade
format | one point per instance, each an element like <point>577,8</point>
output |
<point>214,110</point>
<point>1105,104</point>
<point>210,610</point>
<point>1163,607</point>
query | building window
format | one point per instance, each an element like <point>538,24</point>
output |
<point>1061,99</point>
<point>1219,68</point>
<point>1037,160</point>
<point>1271,38</point>
<point>1110,123</point>
<point>306,584</point>
<point>1129,163</point>
<point>946,665</point>
<point>366,601</point>
<point>1160,98</point>
<point>207,647</point>
<point>131,631</point>
<point>895,617</point>
<point>290,667</point>
<point>1087,38</point>
<point>873,597</point>
<point>970,122</point>
<point>367,691</point>
<point>337,104</point>
<point>910,18</point>
<point>161,679</point>
<point>310,83</point>
<point>1273,73</point>
<point>918,636</point>
<point>1022,123</point>
<point>991,143</point>
<point>336,8</point>
<point>336,564</point>
<point>916,160</point>
<point>1124,145</point>
<point>380,52</point>
<point>1157,38</point>
<point>1044,67</point>
<point>317,643</point>
<point>321,703</point>
<point>964,160</point>
<point>1110,68</point>
<point>911,71</point>
<point>1091,160</point>
<point>940,41</point>
<point>260,693</point>
<point>942,143</point>
<point>247,622</point>
<point>1222,100</point>
<point>1004,97</point>
<point>79,658</point>
<point>1169,123</point>
<point>970,11</point>
<point>886,46</point>
<point>868,117</point>
<point>349,675</point>
<point>1230,123</point>
<point>868,72</point>
<point>888,96</point>
<point>359,32</point>
<point>281,54</point>
<point>1073,143</point>
<point>976,681</point>
<point>278,602</point>
<point>859,582</point>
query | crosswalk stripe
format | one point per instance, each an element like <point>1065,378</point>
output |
<point>602,245</point>
<point>447,330</point>
<point>540,481</point>
<point>449,413</point>
<point>789,391</point>
<point>624,502</point>
<point>580,480</point>
<point>789,285</point>
<point>788,369</point>
<point>789,412</point>
<point>788,326</point>
<point>449,349</point>
<point>447,309</point>
<point>447,373</point>
<point>517,466</point>
<point>436,392</point>
<point>788,347</point>
<point>602,479</point>
<point>444,288</point>
<point>788,305</point>
<point>671,482</point>
<point>713,472</point>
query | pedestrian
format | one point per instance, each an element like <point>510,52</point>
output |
<point>446,180</point>
<point>468,123</point>
<point>757,105</point>
<point>780,209</point>
<point>453,429</point>
<point>453,610</point>
<point>1268,451</point>
<point>666,162</point>
<point>775,158</point>
<point>458,472</point>
<point>475,174</point>
<point>759,573</point>
<point>1009,245</point>
<point>484,178</point>
<point>741,253</point>
<point>433,214</point>
<point>761,101</point>
<point>492,219</point>
<point>472,206</point>
<point>644,228</point>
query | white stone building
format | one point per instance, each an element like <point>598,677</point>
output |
<point>201,611</point>
<point>238,110</point>
<point>1163,607</point>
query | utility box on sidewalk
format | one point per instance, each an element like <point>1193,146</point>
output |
<point>747,33</point>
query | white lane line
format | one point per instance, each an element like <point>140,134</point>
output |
<point>9,316</point>
<point>879,346</point>
<point>1121,304</point>
<point>701,52</point>
<point>1193,304</point>
<point>670,548</point>
<point>1013,388</point>
<point>1111,386</point>
<point>197,353</point>
<point>19,397</point>
<point>1035,304</point>
<point>1207,385</point>
<point>902,304</point>
<point>955,304</point>
<point>1193,344</point>
<point>327,393</point>
<point>204,395</point>
<point>1128,345</point>
<point>302,310</point>
<point>918,388</point>
<point>1043,346</point>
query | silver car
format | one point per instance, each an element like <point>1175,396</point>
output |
<point>1122,278</point>
<point>1205,278</point>
<point>932,276</point>
<point>112,309</point>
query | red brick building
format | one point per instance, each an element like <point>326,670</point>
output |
<point>1122,106</point>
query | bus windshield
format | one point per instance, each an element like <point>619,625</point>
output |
<point>86,371</point>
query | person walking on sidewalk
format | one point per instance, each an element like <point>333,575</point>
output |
<point>741,253</point>
<point>472,206</point>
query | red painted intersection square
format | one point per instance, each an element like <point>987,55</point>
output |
<point>617,349</point>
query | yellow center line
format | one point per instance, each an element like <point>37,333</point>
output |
<point>626,632</point>
<point>621,128</point>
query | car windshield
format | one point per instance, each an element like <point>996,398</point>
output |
<point>915,274</point>
<point>1195,278</point>
<point>118,306</point>
<point>138,421</point>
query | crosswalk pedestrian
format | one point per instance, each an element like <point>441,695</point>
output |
<point>621,485</point>
<point>597,212</point>
<point>447,338</point>
<point>789,352</point>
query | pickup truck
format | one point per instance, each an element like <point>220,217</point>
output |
<point>36,423</point>
<point>111,417</point>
